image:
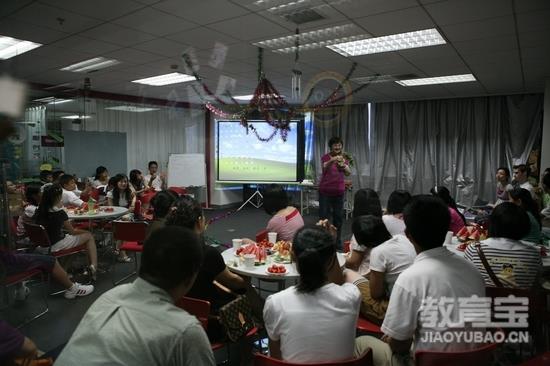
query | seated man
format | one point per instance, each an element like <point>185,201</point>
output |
<point>71,196</point>
<point>435,274</point>
<point>138,323</point>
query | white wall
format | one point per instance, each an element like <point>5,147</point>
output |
<point>545,143</point>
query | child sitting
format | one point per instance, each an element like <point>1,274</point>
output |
<point>32,196</point>
<point>101,177</point>
<point>153,180</point>
<point>51,215</point>
<point>121,195</point>
<point>71,196</point>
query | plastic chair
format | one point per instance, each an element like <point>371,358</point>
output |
<point>261,235</point>
<point>38,236</point>
<point>263,360</point>
<point>479,356</point>
<point>179,190</point>
<point>365,326</point>
<point>132,234</point>
<point>18,278</point>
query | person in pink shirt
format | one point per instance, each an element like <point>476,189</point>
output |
<point>457,219</point>
<point>286,220</point>
<point>331,186</point>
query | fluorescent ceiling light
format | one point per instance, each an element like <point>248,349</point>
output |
<point>75,116</point>
<point>52,100</point>
<point>250,96</point>
<point>92,64</point>
<point>438,80</point>
<point>131,108</point>
<point>315,39</point>
<point>165,79</point>
<point>11,47</point>
<point>393,42</point>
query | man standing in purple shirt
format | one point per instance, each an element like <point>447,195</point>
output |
<point>332,187</point>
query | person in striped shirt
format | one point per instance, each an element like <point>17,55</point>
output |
<point>516,264</point>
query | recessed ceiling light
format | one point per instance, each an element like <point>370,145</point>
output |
<point>393,42</point>
<point>165,79</point>
<point>92,64</point>
<point>315,39</point>
<point>11,47</point>
<point>76,116</point>
<point>131,108</point>
<point>52,100</point>
<point>438,80</point>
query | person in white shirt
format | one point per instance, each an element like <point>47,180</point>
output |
<point>389,256</point>
<point>153,179</point>
<point>521,179</point>
<point>315,320</point>
<point>71,196</point>
<point>435,274</point>
<point>101,178</point>
<point>393,218</point>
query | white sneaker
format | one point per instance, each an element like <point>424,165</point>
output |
<point>78,290</point>
<point>22,292</point>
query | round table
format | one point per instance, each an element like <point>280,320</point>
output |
<point>235,264</point>
<point>99,215</point>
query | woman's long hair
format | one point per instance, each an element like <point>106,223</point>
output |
<point>443,193</point>
<point>366,202</point>
<point>527,202</point>
<point>116,191</point>
<point>185,212</point>
<point>98,171</point>
<point>50,196</point>
<point>314,250</point>
<point>134,181</point>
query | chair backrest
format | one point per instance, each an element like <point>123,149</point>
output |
<point>198,308</point>
<point>479,356</point>
<point>261,235</point>
<point>263,360</point>
<point>95,194</point>
<point>130,231</point>
<point>179,190</point>
<point>37,235</point>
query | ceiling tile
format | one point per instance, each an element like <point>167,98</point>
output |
<point>133,56</point>
<point>531,5</point>
<point>497,44</point>
<point>488,28</point>
<point>534,21</point>
<point>534,39</point>
<point>358,8</point>
<point>11,6</point>
<point>240,28</point>
<point>399,21</point>
<point>155,22</point>
<point>99,9</point>
<point>84,44</point>
<point>162,46</point>
<point>30,32</point>
<point>330,16</point>
<point>55,18</point>
<point>117,34</point>
<point>202,38</point>
<point>201,11</point>
<point>463,11</point>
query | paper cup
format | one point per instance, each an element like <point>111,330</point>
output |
<point>249,260</point>
<point>272,237</point>
<point>449,237</point>
<point>237,243</point>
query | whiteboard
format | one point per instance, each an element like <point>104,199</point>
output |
<point>185,170</point>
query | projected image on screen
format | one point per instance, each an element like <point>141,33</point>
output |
<point>243,157</point>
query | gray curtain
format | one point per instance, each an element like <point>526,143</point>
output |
<point>458,143</point>
<point>351,123</point>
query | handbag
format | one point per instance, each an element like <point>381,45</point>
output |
<point>488,268</point>
<point>236,318</point>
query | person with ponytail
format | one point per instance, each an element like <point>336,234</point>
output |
<point>315,320</point>
<point>457,219</point>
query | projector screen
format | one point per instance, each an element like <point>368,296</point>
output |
<point>242,157</point>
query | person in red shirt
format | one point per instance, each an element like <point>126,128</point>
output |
<point>331,186</point>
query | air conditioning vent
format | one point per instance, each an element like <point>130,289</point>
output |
<point>303,16</point>
<point>373,79</point>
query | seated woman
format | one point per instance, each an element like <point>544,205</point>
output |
<point>389,256</point>
<point>393,218</point>
<point>503,185</point>
<point>286,220</point>
<point>121,195</point>
<point>545,213</point>
<point>315,320</point>
<point>101,177</point>
<point>33,194</point>
<point>187,212</point>
<point>137,183</point>
<point>523,198</point>
<point>51,215</point>
<point>515,264</point>
<point>365,202</point>
<point>162,203</point>
<point>457,219</point>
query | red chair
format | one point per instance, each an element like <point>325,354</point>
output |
<point>201,310</point>
<point>480,356</point>
<point>39,237</point>
<point>18,278</point>
<point>263,360</point>
<point>261,235</point>
<point>346,246</point>
<point>365,326</point>
<point>179,190</point>
<point>132,234</point>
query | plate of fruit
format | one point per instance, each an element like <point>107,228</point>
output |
<point>281,251</point>
<point>475,232</point>
<point>259,252</point>
<point>276,270</point>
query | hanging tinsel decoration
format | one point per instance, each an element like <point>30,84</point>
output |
<point>296,73</point>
